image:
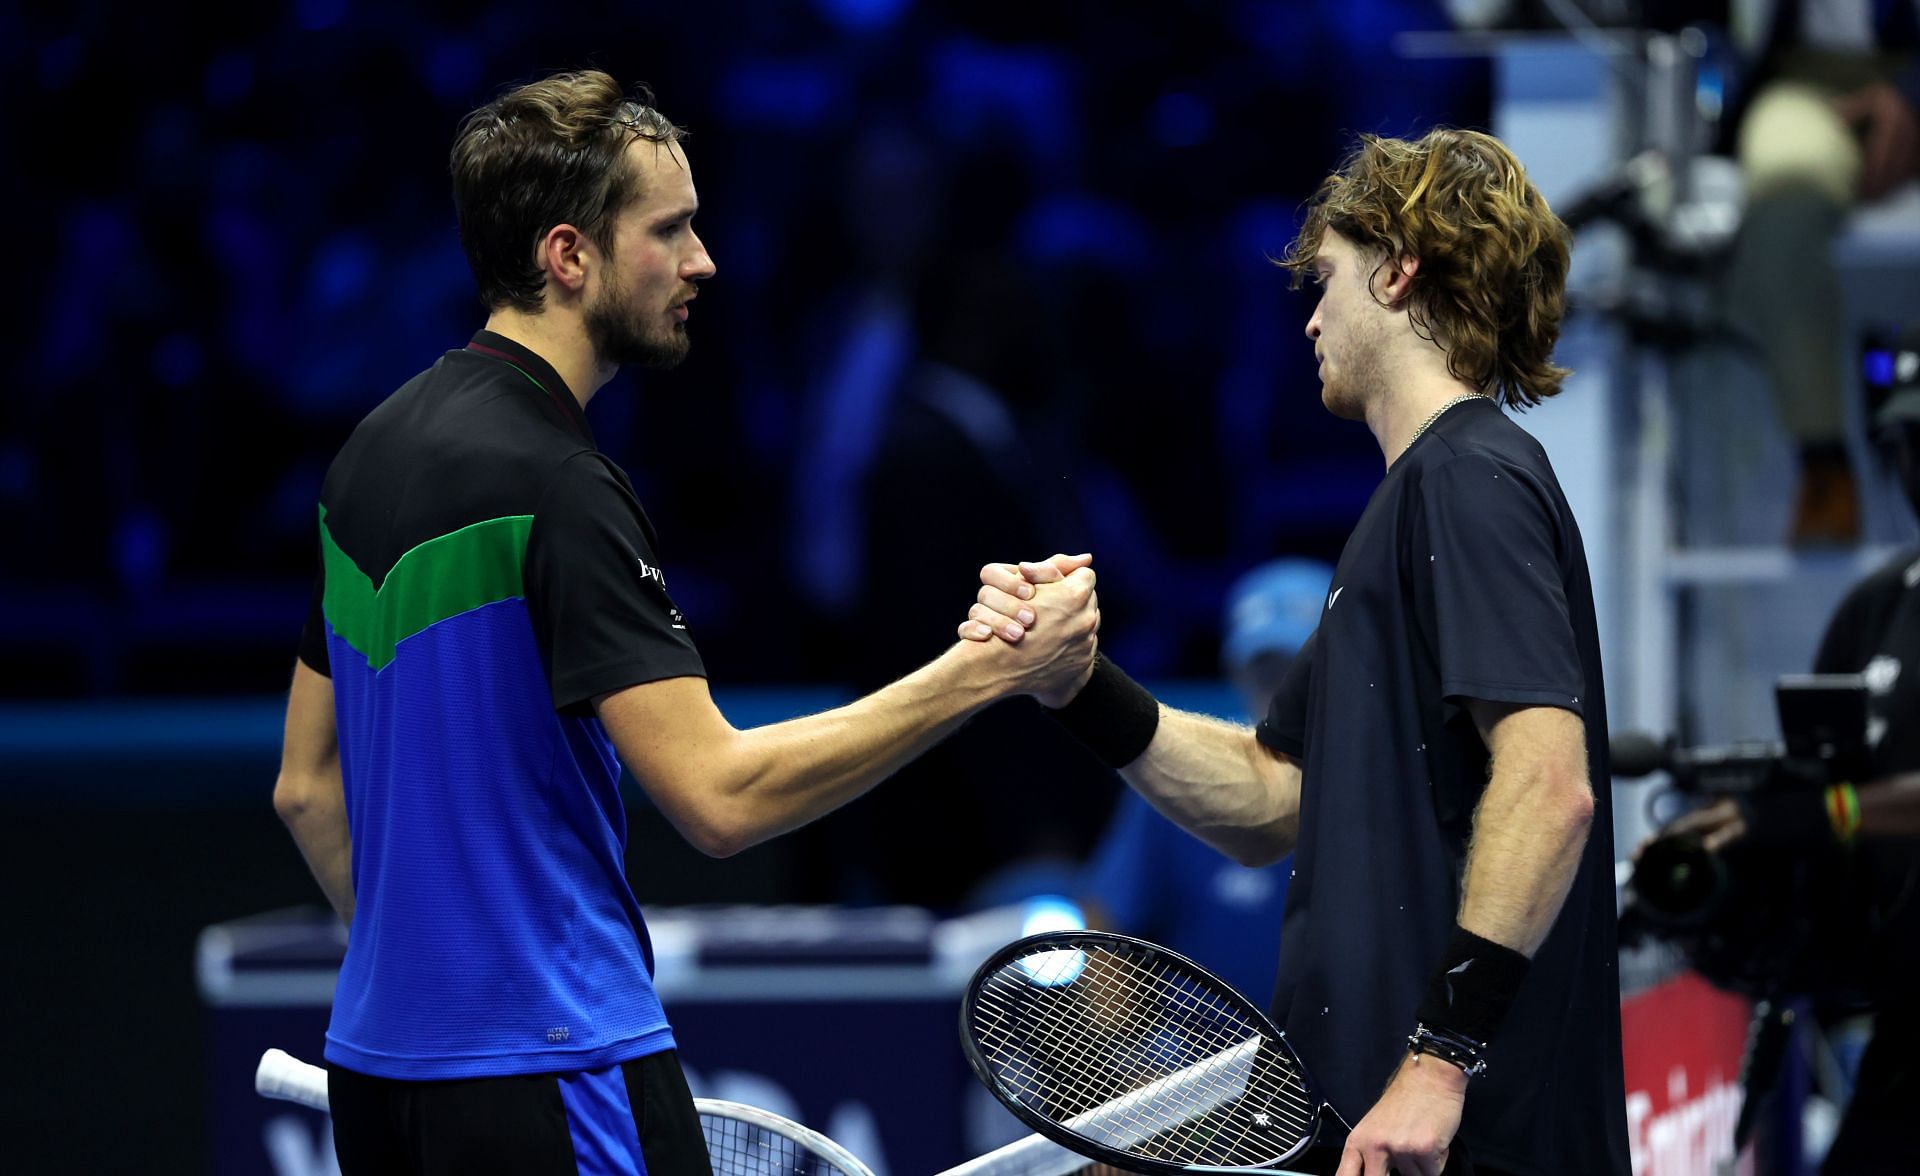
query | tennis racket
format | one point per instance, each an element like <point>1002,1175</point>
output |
<point>741,1140</point>
<point>1136,1056</point>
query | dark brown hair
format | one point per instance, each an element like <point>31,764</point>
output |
<point>1491,286</point>
<point>547,153</point>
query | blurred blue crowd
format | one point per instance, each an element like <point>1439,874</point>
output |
<point>993,281</point>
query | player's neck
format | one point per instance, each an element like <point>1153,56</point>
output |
<point>1420,386</point>
<point>561,339</point>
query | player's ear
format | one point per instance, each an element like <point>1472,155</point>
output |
<point>1396,278</point>
<point>564,255</point>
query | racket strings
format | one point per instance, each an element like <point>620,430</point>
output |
<point>1072,1090</point>
<point>1202,1024</point>
<point>740,1148</point>
<point>1199,1112</point>
<point>1128,1049</point>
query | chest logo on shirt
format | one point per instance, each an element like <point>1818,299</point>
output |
<point>1335,595</point>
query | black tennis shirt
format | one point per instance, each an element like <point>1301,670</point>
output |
<point>1464,579</point>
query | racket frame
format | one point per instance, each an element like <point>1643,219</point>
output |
<point>843,1161</point>
<point>1272,1037</point>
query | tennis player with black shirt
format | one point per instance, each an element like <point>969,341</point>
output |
<point>1436,758</point>
<point>492,636</point>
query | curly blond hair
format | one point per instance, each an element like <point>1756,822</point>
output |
<point>1491,284</point>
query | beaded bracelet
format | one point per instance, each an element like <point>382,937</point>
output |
<point>1843,810</point>
<point>1452,1048</point>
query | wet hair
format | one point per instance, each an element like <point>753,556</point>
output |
<point>547,153</point>
<point>1491,284</point>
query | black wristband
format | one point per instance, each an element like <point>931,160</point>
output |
<point>1473,988</point>
<point>1113,715</point>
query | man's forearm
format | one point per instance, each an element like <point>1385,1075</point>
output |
<point>726,789</point>
<point>1890,806</point>
<point>787,774</point>
<point>315,813</point>
<point>1528,835</point>
<point>1216,781</point>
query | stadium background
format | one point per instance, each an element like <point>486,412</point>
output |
<point>236,238</point>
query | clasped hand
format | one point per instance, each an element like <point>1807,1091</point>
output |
<point>1050,612</point>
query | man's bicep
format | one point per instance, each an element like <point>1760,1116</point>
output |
<point>669,733</point>
<point>1279,776</point>
<point>1279,771</point>
<point>683,753</point>
<point>1275,760</point>
<point>1549,736</point>
<point>311,741</point>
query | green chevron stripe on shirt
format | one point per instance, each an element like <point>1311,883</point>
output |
<point>443,577</point>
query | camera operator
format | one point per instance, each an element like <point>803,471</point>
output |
<point>1875,633</point>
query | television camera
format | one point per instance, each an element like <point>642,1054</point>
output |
<point>1766,917</point>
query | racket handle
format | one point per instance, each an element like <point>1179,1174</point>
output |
<point>281,1075</point>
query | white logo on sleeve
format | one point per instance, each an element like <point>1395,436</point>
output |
<point>649,572</point>
<point>1335,595</point>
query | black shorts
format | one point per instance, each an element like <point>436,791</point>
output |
<point>635,1119</point>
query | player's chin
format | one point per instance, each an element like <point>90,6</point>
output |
<point>1347,408</point>
<point>664,353</point>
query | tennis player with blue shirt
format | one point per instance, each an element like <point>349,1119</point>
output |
<point>1436,758</point>
<point>491,637</point>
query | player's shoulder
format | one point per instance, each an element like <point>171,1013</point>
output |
<point>1486,451</point>
<point>1861,622</point>
<point>1489,433</point>
<point>584,474</point>
<point>586,493</point>
<point>455,442</point>
<point>1886,584</point>
<point>1453,470</point>
<point>454,401</point>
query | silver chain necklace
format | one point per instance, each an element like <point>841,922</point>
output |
<point>1437,414</point>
